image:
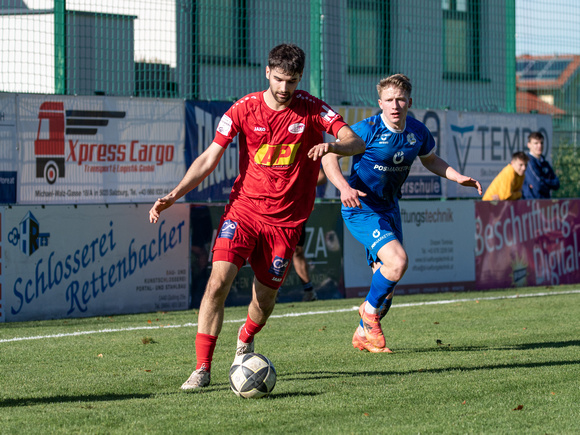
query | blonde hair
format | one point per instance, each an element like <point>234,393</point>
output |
<point>399,81</point>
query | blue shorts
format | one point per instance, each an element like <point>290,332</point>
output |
<point>373,229</point>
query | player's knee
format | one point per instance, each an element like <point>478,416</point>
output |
<point>399,266</point>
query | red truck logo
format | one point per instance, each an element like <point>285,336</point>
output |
<point>50,152</point>
<point>53,122</point>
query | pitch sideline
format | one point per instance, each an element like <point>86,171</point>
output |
<point>278,316</point>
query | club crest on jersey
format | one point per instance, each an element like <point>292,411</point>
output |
<point>276,155</point>
<point>398,157</point>
<point>296,128</point>
<point>279,266</point>
<point>228,230</point>
<point>411,139</point>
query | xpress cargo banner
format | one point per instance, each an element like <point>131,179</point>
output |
<point>67,261</point>
<point>98,149</point>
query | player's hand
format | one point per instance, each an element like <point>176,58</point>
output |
<point>320,150</point>
<point>470,182</point>
<point>349,197</point>
<point>160,205</point>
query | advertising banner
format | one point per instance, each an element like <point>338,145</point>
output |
<point>438,238</point>
<point>201,120</point>
<point>8,149</point>
<point>479,145</point>
<point>66,261</point>
<point>98,149</point>
<point>322,246</point>
<point>527,243</point>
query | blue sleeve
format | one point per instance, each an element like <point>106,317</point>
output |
<point>428,143</point>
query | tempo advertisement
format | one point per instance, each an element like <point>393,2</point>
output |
<point>527,243</point>
<point>97,149</point>
<point>438,238</point>
<point>92,260</point>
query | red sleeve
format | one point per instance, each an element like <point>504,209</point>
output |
<point>226,130</point>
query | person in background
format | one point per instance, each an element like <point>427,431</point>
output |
<point>507,185</point>
<point>540,178</point>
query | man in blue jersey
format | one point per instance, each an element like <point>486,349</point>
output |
<point>370,197</point>
<point>540,177</point>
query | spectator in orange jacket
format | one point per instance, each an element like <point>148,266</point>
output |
<point>509,182</point>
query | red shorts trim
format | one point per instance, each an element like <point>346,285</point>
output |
<point>267,248</point>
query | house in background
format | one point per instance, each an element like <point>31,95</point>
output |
<point>548,85</point>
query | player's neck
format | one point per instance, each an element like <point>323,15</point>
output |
<point>393,128</point>
<point>272,103</point>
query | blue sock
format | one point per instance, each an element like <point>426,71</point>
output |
<point>380,288</point>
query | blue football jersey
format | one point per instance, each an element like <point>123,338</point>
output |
<point>384,166</point>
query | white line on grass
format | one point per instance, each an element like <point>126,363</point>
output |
<point>278,316</point>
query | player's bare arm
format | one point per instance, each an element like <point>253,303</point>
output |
<point>199,169</point>
<point>440,167</point>
<point>348,195</point>
<point>349,143</point>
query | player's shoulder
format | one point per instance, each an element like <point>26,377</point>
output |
<point>369,124</point>
<point>415,124</point>
<point>303,98</point>
<point>247,102</point>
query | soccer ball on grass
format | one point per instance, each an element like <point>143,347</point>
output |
<point>252,376</point>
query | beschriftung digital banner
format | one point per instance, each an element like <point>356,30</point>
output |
<point>98,149</point>
<point>527,243</point>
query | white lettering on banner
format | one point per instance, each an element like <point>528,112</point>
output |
<point>551,264</point>
<point>521,228</point>
<point>79,294</point>
<point>315,243</point>
<point>134,152</point>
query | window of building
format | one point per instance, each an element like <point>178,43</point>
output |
<point>368,36</point>
<point>221,31</point>
<point>461,36</point>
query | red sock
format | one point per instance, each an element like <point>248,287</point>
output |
<point>204,347</point>
<point>249,329</point>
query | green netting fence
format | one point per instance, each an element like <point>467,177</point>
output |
<point>476,55</point>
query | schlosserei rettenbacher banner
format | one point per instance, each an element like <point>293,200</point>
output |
<point>92,260</point>
<point>96,150</point>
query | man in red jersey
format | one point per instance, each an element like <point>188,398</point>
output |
<point>280,139</point>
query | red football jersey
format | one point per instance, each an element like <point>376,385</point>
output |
<point>277,181</point>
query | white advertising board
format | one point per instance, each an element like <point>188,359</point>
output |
<point>439,240</point>
<point>91,260</point>
<point>98,150</point>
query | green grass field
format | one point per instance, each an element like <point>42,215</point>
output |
<point>475,363</point>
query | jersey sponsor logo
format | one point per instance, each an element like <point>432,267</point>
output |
<point>411,139</point>
<point>376,233</point>
<point>384,137</point>
<point>398,157</point>
<point>276,155</point>
<point>279,266</point>
<point>391,168</point>
<point>228,230</point>
<point>329,115</point>
<point>276,279</point>
<point>225,125</point>
<point>296,128</point>
<point>259,128</point>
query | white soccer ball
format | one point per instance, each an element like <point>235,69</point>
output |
<point>252,376</point>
